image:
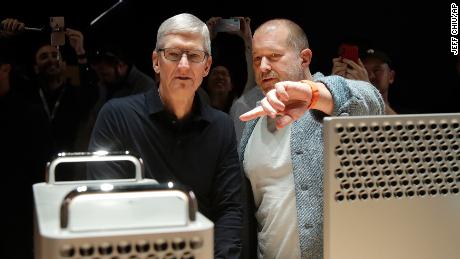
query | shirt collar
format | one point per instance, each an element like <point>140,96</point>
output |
<point>200,111</point>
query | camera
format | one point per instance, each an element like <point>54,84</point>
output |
<point>226,25</point>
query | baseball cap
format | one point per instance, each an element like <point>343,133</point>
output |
<point>378,54</point>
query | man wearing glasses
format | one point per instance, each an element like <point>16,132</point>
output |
<point>179,137</point>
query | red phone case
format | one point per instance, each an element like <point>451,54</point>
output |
<point>349,52</point>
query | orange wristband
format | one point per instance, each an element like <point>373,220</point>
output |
<point>314,93</point>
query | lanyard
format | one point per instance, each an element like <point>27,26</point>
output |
<point>51,114</point>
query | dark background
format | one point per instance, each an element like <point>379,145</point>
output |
<point>416,36</point>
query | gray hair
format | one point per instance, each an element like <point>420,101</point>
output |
<point>183,23</point>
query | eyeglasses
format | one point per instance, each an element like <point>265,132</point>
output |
<point>173,54</point>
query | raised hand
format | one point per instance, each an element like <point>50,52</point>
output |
<point>245,30</point>
<point>76,40</point>
<point>356,71</point>
<point>10,27</point>
<point>349,69</point>
<point>211,23</point>
<point>339,67</point>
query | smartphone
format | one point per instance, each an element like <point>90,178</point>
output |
<point>57,31</point>
<point>350,52</point>
<point>225,25</point>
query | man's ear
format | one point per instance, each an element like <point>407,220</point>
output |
<point>155,63</point>
<point>392,76</point>
<point>122,68</point>
<point>306,55</point>
<point>208,66</point>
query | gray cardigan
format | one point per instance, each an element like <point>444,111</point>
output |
<point>351,97</point>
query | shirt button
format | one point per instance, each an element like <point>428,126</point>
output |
<point>308,225</point>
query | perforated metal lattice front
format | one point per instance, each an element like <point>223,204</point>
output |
<point>178,248</point>
<point>396,159</point>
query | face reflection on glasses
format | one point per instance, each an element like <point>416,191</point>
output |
<point>173,54</point>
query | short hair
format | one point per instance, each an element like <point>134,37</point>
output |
<point>297,39</point>
<point>184,23</point>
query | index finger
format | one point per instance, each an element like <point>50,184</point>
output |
<point>252,114</point>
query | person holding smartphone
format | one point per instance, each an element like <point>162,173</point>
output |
<point>244,96</point>
<point>381,74</point>
<point>241,27</point>
<point>348,64</point>
<point>375,67</point>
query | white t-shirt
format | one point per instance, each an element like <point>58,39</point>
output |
<point>245,103</point>
<point>268,166</point>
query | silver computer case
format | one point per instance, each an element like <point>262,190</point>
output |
<point>117,219</point>
<point>391,187</point>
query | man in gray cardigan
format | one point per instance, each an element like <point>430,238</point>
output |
<point>282,151</point>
